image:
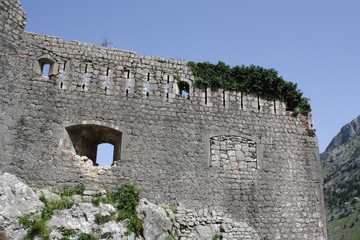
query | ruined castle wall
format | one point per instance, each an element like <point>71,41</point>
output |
<point>220,151</point>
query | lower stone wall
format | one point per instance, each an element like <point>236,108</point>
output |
<point>210,224</point>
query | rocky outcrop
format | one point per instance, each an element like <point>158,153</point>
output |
<point>158,220</point>
<point>16,200</point>
<point>341,170</point>
<point>89,219</point>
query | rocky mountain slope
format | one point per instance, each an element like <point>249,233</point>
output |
<point>341,171</point>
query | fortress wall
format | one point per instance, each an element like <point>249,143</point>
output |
<point>256,166</point>
<point>12,20</point>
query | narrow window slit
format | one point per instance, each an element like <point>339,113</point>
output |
<point>167,86</point>
<point>274,106</point>
<point>84,80</point>
<point>241,100</point>
<point>205,95</point>
<point>224,98</point>
<point>63,75</point>
<point>148,85</point>
<point>258,102</point>
<point>127,83</point>
<point>107,79</point>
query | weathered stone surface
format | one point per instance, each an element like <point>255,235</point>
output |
<point>203,232</point>
<point>16,199</point>
<point>158,220</point>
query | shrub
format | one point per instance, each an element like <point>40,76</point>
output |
<point>135,225</point>
<point>217,237</point>
<point>174,210</point>
<point>126,198</point>
<point>62,203</point>
<point>250,79</point>
<point>96,201</point>
<point>39,228</point>
<point>98,218</point>
<point>172,236</point>
<point>38,225</point>
<point>26,222</point>
<point>70,191</point>
<point>67,233</point>
<point>88,236</point>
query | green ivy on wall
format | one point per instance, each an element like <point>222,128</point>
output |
<point>251,79</point>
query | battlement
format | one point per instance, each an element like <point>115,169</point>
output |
<point>101,70</point>
<point>207,150</point>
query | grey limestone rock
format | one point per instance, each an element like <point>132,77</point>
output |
<point>203,232</point>
<point>158,220</point>
<point>82,216</point>
<point>16,199</point>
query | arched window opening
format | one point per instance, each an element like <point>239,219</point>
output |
<point>105,154</point>
<point>46,67</point>
<point>90,139</point>
<point>45,70</point>
<point>184,89</point>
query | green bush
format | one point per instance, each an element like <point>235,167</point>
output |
<point>174,210</point>
<point>62,203</point>
<point>26,222</point>
<point>67,233</point>
<point>135,225</point>
<point>70,232</point>
<point>96,201</point>
<point>172,236</point>
<point>250,79</point>
<point>37,226</point>
<point>217,237</point>
<point>70,191</point>
<point>126,198</point>
<point>88,236</point>
<point>98,218</point>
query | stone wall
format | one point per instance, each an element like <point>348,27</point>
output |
<point>265,175</point>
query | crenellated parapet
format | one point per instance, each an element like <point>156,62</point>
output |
<point>74,66</point>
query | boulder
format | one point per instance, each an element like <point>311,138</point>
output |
<point>158,220</point>
<point>16,200</point>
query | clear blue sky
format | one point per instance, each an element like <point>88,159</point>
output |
<point>315,44</point>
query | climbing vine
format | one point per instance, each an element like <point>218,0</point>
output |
<point>251,79</point>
